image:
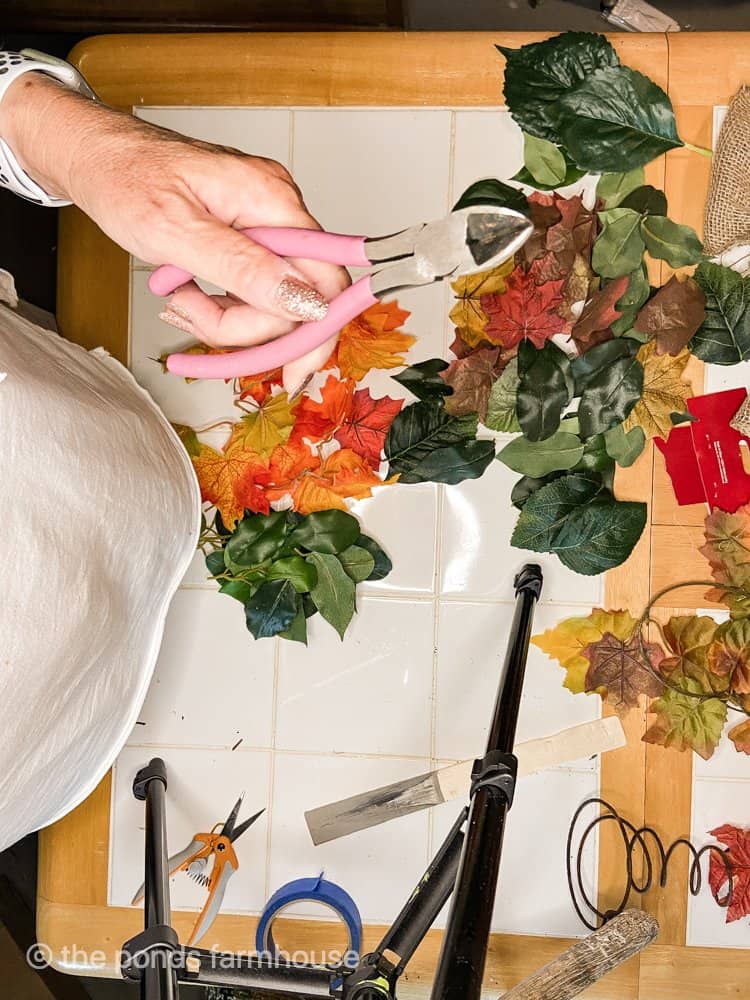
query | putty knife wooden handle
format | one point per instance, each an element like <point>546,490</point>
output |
<point>360,812</point>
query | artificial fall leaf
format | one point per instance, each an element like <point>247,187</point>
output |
<point>260,386</point>
<point>574,233</point>
<point>740,736</point>
<point>467,314</point>
<point>689,639</point>
<point>471,379</point>
<point>525,310</point>
<point>687,723</point>
<point>727,549</point>
<point>598,315</point>
<point>264,428</point>
<point>736,842</point>
<point>577,287</point>
<point>664,391</point>
<point>673,315</point>
<point>189,439</point>
<point>543,214</point>
<point>729,655</point>
<point>227,481</point>
<point>317,421</point>
<point>314,485</point>
<point>567,641</point>
<point>461,349</point>
<point>366,424</point>
<point>372,340</point>
<point>618,673</point>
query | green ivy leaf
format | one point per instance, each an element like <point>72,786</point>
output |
<point>426,444</point>
<point>678,245</point>
<point>271,609</point>
<point>545,511</point>
<point>539,74</point>
<point>619,247</point>
<point>624,447</point>
<point>327,531</point>
<point>600,535</point>
<point>333,594</point>
<point>537,459</point>
<point>255,539</point>
<point>240,590</point>
<point>724,336</point>
<point>295,569</point>
<point>423,380</point>
<point>610,395</point>
<point>215,562</point>
<point>493,192</point>
<point>591,364</point>
<point>545,389</point>
<point>357,563</point>
<point>613,187</point>
<point>543,160</point>
<point>647,200</point>
<point>501,405</point>
<point>616,119</point>
<point>572,174</point>
<point>297,631</point>
<point>382,565</point>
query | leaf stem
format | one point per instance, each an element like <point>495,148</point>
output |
<point>699,149</point>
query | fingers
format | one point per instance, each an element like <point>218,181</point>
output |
<point>297,373</point>
<point>220,320</point>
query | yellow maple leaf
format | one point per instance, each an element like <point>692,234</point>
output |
<point>567,640</point>
<point>223,480</point>
<point>372,340</point>
<point>264,428</point>
<point>467,314</point>
<point>665,391</point>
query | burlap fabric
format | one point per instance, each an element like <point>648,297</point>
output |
<point>727,220</point>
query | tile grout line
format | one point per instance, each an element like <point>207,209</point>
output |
<point>272,762</point>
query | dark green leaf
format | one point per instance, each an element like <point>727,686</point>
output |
<point>724,336</point>
<point>423,380</point>
<point>382,564</point>
<point>636,294</point>
<point>240,590</point>
<point>619,247</point>
<point>616,119</point>
<point>297,631</point>
<point>501,405</point>
<point>612,188</point>
<point>527,486</point>
<point>215,562</point>
<point>589,365</point>
<point>543,160</point>
<point>271,609</point>
<point>624,447</point>
<point>538,458</point>
<point>333,594</point>
<point>357,563</point>
<point>682,418</point>
<point>308,606</point>
<point>600,535</point>
<point>666,240</point>
<point>610,395</point>
<point>296,569</point>
<point>545,389</point>
<point>256,538</point>
<point>328,531</point>
<point>595,457</point>
<point>219,527</point>
<point>537,76</point>
<point>646,199</point>
<point>492,192</point>
<point>545,512</point>
<point>426,444</point>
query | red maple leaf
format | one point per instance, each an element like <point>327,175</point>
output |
<point>737,844</point>
<point>524,310</point>
<point>366,424</point>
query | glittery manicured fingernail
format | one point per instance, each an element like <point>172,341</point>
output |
<point>178,318</point>
<point>300,300</point>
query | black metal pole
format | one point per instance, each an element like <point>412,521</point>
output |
<point>464,950</point>
<point>159,977</point>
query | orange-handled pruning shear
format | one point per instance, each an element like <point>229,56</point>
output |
<point>194,860</point>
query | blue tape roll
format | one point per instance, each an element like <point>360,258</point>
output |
<point>314,890</point>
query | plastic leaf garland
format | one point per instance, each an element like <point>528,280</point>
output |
<point>737,844</point>
<point>372,340</point>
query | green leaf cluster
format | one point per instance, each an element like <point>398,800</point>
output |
<point>724,336</point>
<point>284,568</point>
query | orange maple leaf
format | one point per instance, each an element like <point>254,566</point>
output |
<point>372,340</point>
<point>258,387</point>
<point>232,482</point>
<point>317,421</point>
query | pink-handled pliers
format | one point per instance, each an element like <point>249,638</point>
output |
<point>466,241</point>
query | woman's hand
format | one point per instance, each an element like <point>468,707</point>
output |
<point>168,199</point>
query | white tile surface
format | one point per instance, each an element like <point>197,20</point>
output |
<point>203,787</point>
<point>370,694</point>
<point>471,646</point>
<point>380,866</point>
<point>258,131</point>
<point>477,558</point>
<point>213,683</point>
<point>488,143</point>
<point>533,893</point>
<point>715,803</point>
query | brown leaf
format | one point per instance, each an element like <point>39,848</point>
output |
<point>617,670</point>
<point>598,315</point>
<point>461,349</point>
<point>729,655</point>
<point>471,379</point>
<point>740,736</point>
<point>673,315</point>
<point>544,214</point>
<point>727,549</point>
<point>575,231</point>
<point>578,285</point>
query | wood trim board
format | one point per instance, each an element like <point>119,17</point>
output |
<point>646,784</point>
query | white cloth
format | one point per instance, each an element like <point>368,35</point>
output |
<point>99,516</point>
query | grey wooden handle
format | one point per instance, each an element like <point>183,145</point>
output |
<point>588,960</point>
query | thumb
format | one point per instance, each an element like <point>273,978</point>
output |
<point>223,256</point>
